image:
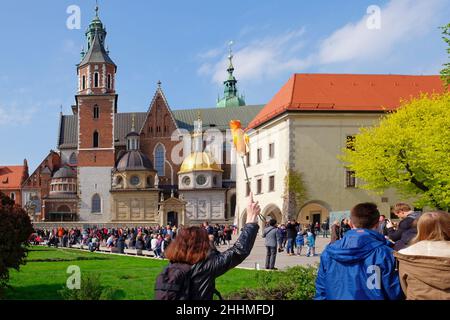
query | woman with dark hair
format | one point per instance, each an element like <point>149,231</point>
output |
<point>194,265</point>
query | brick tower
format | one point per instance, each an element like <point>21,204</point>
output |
<point>96,105</point>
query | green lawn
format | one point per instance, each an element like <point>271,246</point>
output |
<point>45,274</point>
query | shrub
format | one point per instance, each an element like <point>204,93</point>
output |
<point>296,283</point>
<point>91,289</point>
<point>15,230</point>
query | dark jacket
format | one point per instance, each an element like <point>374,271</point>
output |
<point>406,231</point>
<point>204,273</point>
<point>291,230</point>
<point>361,266</point>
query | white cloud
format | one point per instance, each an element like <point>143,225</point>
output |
<point>12,116</point>
<point>260,58</point>
<point>401,21</point>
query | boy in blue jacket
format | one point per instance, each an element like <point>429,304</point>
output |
<point>361,265</point>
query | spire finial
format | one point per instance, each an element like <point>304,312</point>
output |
<point>96,8</point>
<point>159,84</point>
<point>61,109</point>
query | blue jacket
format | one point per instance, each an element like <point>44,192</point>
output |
<point>360,266</point>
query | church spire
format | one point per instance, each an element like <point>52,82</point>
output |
<point>230,98</point>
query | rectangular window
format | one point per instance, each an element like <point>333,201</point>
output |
<point>350,143</point>
<point>271,150</point>
<point>258,186</point>
<point>350,179</point>
<point>83,86</point>
<point>248,159</point>
<point>258,155</point>
<point>272,183</point>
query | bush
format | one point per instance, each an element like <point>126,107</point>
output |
<point>91,289</point>
<point>296,283</point>
<point>15,230</point>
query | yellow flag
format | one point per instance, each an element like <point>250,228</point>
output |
<point>240,139</point>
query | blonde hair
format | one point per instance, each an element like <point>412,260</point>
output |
<point>433,226</point>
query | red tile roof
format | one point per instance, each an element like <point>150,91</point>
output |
<point>11,177</point>
<point>345,92</point>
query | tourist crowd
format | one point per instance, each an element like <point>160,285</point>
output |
<point>152,238</point>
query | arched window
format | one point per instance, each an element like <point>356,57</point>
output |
<point>95,140</point>
<point>96,112</point>
<point>96,80</point>
<point>83,85</point>
<point>73,159</point>
<point>96,204</point>
<point>160,159</point>
<point>109,81</point>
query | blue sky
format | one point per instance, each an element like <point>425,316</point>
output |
<point>184,44</point>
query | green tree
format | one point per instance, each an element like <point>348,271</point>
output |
<point>15,230</point>
<point>445,73</point>
<point>408,150</point>
<point>295,193</point>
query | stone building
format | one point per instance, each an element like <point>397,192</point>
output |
<point>303,129</point>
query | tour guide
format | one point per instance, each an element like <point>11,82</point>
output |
<point>195,265</point>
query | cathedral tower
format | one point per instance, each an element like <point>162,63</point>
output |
<point>96,105</point>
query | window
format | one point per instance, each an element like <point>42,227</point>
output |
<point>96,80</point>
<point>96,204</point>
<point>201,180</point>
<point>350,179</point>
<point>271,150</point>
<point>350,143</point>
<point>272,183</point>
<point>135,180</point>
<point>12,196</point>
<point>96,112</point>
<point>73,159</point>
<point>83,85</point>
<point>247,189</point>
<point>109,81</point>
<point>186,181</point>
<point>160,159</point>
<point>95,139</point>
<point>258,155</point>
<point>248,159</point>
<point>258,186</point>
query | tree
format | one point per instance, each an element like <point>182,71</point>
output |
<point>295,193</point>
<point>445,73</point>
<point>15,230</point>
<point>408,150</point>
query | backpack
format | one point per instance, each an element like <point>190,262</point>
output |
<point>173,282</point>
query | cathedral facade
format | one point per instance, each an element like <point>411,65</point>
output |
<point>135,167</point>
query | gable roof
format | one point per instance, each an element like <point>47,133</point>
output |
<point>211,117</point>
<point>345,92</point>
<point>11,177</point>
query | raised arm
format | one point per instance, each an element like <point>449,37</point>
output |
<point>234,256</point>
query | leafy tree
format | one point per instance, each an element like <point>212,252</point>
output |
<point>15,230</point>
<point>408,150</point>
<point>295,193</point>
<point>445,73</point>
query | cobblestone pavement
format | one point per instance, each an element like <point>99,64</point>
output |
<point>258,255</point>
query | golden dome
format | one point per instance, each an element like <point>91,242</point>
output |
<point>199,161</point>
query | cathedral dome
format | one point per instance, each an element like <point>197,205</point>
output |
<point>199,161</point>
<point>65,172</point>
<point>134,160</point>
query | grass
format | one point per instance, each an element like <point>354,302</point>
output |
<point>45,274</point>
